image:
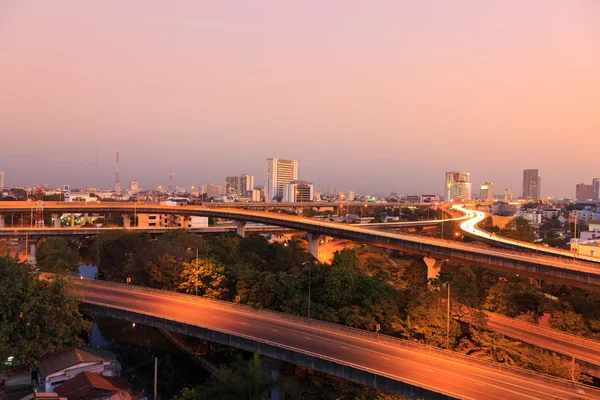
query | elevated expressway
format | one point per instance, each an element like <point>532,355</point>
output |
<point>569,272</point>
<point>378,361</point>
<point>470,226</point>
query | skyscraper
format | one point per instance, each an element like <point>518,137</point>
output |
<point>279,172</point>
<point>133,186</point>
<point>584,192</point>
<point>1,180</point>
<point>595,185</point>
<point>486,192</point>
<point>240,186</point>
<point>458,186</point>
<point>532,184</point>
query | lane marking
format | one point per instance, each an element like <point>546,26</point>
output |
<point>344,347</point>
<point>385,358</point>
<point>307,338</point>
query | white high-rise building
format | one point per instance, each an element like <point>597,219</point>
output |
<point>486,192</point>
<point>458,186</point>
<point>595,185</point>
<point>1,180</point>
<point>279,172</point>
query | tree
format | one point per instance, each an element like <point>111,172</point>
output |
<point>519,229</point>
<point>56,255</point>
<point>37,317</point>
<point>203,277</point>
<point>165,272</point>
<point>245,381</point>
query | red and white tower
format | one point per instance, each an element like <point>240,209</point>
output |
<point>117,178</point>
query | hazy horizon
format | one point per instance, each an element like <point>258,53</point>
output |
<point>369,99</point>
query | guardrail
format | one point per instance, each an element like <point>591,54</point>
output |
<point>332,328</point>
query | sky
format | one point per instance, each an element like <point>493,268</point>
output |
<point>372,97</point>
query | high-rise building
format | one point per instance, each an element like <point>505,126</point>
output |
<point>458,186</point>
<point>279,172</point>
<point>297,191</point>
<point>595,185</point>
<point>1,180</point>
<point>584,192</point>
<point>133,186</point>
<point>351,196</point>
<point>486,192</point>
<point>240,186</point>
<point>213,190</point>
<point>508,194</point>
<point>532,184</point>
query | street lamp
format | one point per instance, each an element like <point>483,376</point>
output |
<point>447,284</point>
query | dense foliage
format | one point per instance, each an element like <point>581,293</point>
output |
<point>37,317</point>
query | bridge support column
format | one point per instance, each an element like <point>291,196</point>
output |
<point>32,259</point>
<point>240,228</point>
<point>313,244</point>
<point>1,221</point>
<point>433,266</point>
<point>72,220</point>
<point>126,221</point>
<point>56,220</point>
<point>184,221</point>
<point>85,218</point>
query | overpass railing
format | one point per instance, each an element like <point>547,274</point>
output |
<point>330,327</point>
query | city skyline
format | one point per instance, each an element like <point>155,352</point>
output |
<point>367,103</point>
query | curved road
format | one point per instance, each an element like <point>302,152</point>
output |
<point>475,217</point>
<point>423,366</point>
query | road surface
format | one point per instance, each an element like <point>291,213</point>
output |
<point>418,365</point>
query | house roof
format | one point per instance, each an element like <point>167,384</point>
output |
<point>66,359</point>
<point>90,385</point>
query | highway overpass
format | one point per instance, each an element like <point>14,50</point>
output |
<point>574,273</point>
<point>379,361</point>
<point>471,227</point>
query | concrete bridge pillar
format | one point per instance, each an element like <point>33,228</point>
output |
<point>56,220</point>
<point>313,244</point>
<point>240,228</point>
<point>184,221</point>
<point>72,220</point>
<point>85,218</point>
<point>1,221</point>
<point>433,266</point>
<point>126,221</point>
<point>32,259</point>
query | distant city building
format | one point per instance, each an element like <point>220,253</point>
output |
<point>279,172</point>
<point>429,198</point>
<point>532,184</point>
<point>297,191</point>
<point>133,186</point>
<point>584,192</point>
<point>550,213</point>
<point>595,185</point>
<point>350,196</point>
<point>202,189</point>
<point>535,217</point>
<point>503,209</point>
<point>508,194</point>
<point>413,198</point>
<point>1,180</point>
<point>255,195</point>
<point>486,191</point>
<point>331,191</point>
<point>240,186</point>
<point>213,190</point>
<point>80,196</point>
<point>458,186</point>
<point>584,216</point>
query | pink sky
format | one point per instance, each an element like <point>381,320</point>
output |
<point>370,96</point>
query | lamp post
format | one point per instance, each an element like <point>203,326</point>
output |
<point>448,317</point>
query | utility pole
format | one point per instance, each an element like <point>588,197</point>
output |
<point>155,378</point>
<point>448,321</point>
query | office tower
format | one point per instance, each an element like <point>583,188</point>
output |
<point>297,191</point>
<point>486,192</point>
<point>508,194</point>
<point>213,190</point>
<point>532,184</point>
<point>595,185</point>
<point>240,186</point>
<point>1,180</point>
<point>584,192</point>
<point>458,186</point>
<point>279,172</point>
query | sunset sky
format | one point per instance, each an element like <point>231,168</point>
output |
<point>371,96</point>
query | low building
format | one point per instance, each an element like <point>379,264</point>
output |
<point>80,196</point>
<point>534,217</point>
<point>297,191</point>
<point>503,209</point>
<point>549,213</point>
<point>584,216</point>
<point>56,369</point>
<point>91,386</point>
<point>589,248</point>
